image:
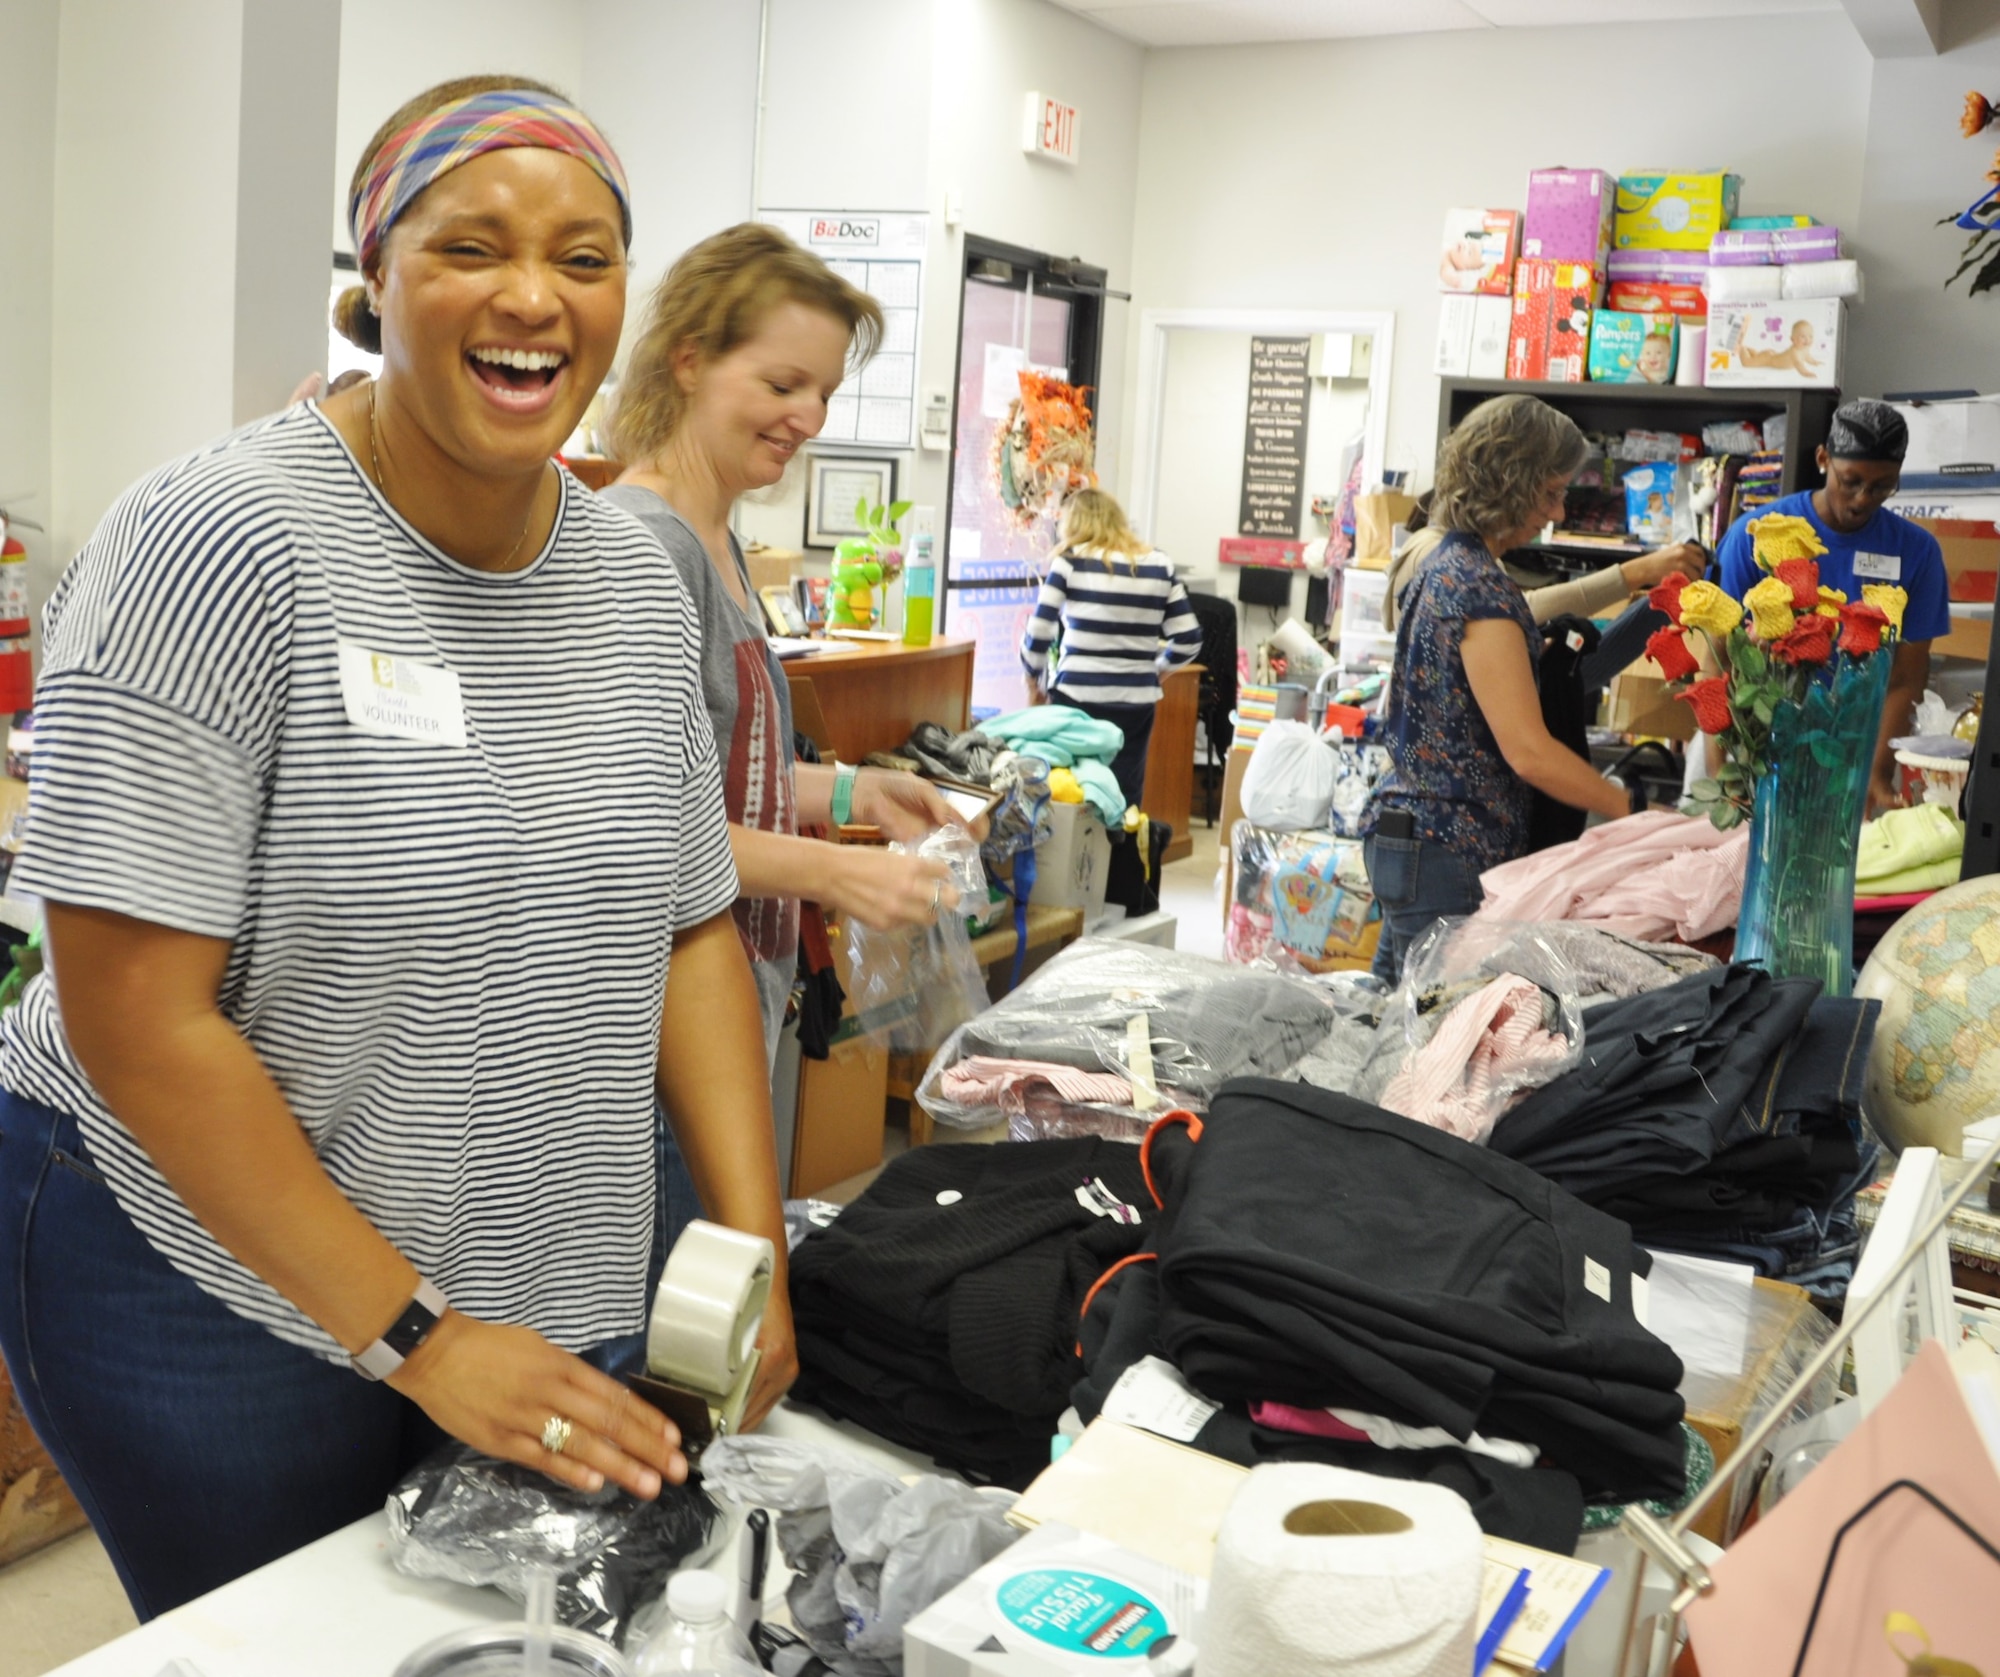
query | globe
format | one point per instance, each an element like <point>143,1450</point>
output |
<point>1935,1065</point>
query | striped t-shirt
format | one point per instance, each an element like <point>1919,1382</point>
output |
<point>450,958</point>
<point>1122,622</point>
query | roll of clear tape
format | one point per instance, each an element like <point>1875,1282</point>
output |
<point>1321,1571</point>
<point>709,1307</point>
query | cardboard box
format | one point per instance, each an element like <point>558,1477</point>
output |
<point>1480,248</point>
<point>1662,211</point>
<point>1454,339</point>
<point>1492,317</point>
<point>1632,348</point>
<point>1972,562</point>
<point>1073,868</point>
<point>1549,336</point>
<point>1788,345</point>
<point>1569,216</point>
<point>843,1101</point>
<point>1954,445</point>
<point>1689,302</point>
<point>1638,703</point>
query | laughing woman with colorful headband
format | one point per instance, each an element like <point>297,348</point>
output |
<point>379,823</point>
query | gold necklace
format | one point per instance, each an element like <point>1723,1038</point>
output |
<point>375,465</point>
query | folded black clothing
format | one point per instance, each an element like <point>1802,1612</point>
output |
<point>1662,1079</point>
<point>940,1308</point>
<point>1540,1506</point>
<point>1322,1252</point>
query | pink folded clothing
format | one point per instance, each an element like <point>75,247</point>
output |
<point>1353,1426</point>
<point>1487,1052</point>
<point>1010,1085</point>
<point>1654,875</point>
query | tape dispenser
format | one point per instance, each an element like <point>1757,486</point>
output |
<point>701,1339</point>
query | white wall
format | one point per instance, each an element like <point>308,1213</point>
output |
<point>145,245</point>
<point>1317,174</point>
<point>1912,334</point>
<point>28,35</point>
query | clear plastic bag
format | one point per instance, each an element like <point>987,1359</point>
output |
<point>911,987</point>
<point>1487,1010</point>
<point>1305,895</point>
<point>1057,1057</point>
<point>1358,770</point>
<point>466,1517</point>
<point>868,1551</point>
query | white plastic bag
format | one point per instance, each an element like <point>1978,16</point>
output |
<point>1289,783</point>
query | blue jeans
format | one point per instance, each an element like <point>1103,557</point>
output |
<point>1417,884</point>
<point>200,1445</point>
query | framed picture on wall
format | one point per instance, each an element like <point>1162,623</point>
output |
<point>836,483</point>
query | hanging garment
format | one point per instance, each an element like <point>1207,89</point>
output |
<point>1567,641</point>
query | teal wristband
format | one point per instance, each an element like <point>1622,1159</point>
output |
<point>843,793</point>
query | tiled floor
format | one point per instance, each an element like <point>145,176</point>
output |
<point>59,1603</point>
<point>64,1601</point>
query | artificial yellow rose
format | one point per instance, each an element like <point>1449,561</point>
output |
<point>1830,601</point>
<point>1779,536</point>
<point>1888,599</point>
<point>1706,607</point>
<point>1770,604</point>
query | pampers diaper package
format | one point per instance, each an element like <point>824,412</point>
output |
<point>1649,501</point>
<point>1632,348</point>
<point>1674,212</point>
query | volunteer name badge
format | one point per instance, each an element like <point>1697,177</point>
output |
<point>1879,567</point>
<point>399,698</point>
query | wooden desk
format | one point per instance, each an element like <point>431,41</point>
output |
<point>1169,794</point>
<point>873,693</point>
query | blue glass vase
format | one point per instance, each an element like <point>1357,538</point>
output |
<point>1797,918</point>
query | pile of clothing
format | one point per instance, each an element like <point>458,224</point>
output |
<point>1719,1116</point>
<point>1068,741</point>
<point>939,1310</point>
<point>1110,1033</point>
<point>1904,851</point>
<point>1343,1285</point>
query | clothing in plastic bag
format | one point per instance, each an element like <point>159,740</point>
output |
<point>474,1520</point>
<point>912,986</point>
<point>1202,1022</point>
<point>1288,784</point>
<point>1485,1013</point>
<point>1304,894</point>
<point>1358,770</point>
<point>868,1552</point>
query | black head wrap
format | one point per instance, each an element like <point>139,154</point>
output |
<point>1868,431</point>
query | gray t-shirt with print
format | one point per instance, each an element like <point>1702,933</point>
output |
<point>750,710</point>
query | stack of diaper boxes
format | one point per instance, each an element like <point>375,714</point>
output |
<point>1778,289</point>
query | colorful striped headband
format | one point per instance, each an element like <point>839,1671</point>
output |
<point>436,144</point>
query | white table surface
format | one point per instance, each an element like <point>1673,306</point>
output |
<point>337,1608</point>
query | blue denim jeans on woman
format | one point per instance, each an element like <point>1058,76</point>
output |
<point>200,1445</point>
<point>1417,883</point>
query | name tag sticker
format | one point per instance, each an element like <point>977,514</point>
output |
<point>1879,567</point>
<point>400,698</point>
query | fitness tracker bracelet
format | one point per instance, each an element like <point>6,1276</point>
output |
<point>843,793</point>
<point>409,1330</point>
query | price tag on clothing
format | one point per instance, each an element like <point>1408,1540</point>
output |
<point>1100,1201</point>
<point>1152,1395</point>
<point>1597,1279</point>
<point>400,698</point>
<point>1879,567</point>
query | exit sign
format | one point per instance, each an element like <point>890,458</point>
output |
<point>1051,129</point>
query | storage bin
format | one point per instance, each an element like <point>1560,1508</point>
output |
<point>1072,870</point>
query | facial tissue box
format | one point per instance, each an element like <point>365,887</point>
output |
<point>1789,344</point>
<point>1569,216</point>
<point>1674,212</point>
<point>1632,348</point>
<point>1480,247</point>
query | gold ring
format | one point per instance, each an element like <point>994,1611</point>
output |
<point>555,1435</point>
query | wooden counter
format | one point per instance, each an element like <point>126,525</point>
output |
<point>1169,795</point>
<point>869,695</point>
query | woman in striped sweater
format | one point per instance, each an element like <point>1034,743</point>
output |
<point>1115,618</point>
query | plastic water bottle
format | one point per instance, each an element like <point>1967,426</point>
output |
<point>698,1635</point>
<point>919,592</point>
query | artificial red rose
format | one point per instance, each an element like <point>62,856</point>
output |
<point>1861,627</point>
<point>1810,642</point>
<point>1669,649</point>
<point>1710,699</point>
<point>1666,596</point>
<point>1801,576</point>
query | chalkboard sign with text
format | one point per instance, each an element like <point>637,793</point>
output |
<point>1274,438</point>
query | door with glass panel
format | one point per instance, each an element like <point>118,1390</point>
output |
<point>1020,311</point>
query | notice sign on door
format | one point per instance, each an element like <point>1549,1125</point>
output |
<point>1274,438</point>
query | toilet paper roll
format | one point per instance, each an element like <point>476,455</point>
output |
<point>1745,285</point>
<point>1692,367</point>
<point>1319,1570</point>
<point>709,1307</point>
